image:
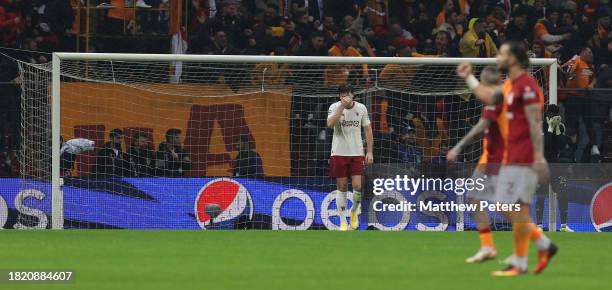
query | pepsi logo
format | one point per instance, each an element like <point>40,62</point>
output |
<point>601,208</point>
<point>231,196</point>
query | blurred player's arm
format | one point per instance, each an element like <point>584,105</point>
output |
<point>533,113</point>
<point>486,94</point>
<point>534,117</point>
<point>474,133</point>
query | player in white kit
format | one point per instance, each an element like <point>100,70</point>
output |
<point>347,117</point>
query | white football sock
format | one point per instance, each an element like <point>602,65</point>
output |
<point>520,262</point>
<point>543,242</point>
<point>356,201</point>
<point>341,203</point>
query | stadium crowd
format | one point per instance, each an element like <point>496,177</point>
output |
<point>576,32</point>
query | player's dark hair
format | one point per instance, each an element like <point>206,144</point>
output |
<point>518,50</point>
<point>346,88</point>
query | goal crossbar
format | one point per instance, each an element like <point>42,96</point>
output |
<point>282,59</point>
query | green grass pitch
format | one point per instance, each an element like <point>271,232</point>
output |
<point>125,259</point>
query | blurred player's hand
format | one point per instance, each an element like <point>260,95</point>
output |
<point>464,70</point>
<point>346,101</point>
<point>451,156</point>
<point>540,166</point>
<point>369,159</point>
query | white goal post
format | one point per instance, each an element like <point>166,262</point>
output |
<point>57,59</point>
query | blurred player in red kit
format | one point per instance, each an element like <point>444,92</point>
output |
<point>523,164</point>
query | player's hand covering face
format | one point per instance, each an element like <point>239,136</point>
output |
<point>346,100</point>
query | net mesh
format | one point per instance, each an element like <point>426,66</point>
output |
<point>34,199</point>
<point>251,149</point>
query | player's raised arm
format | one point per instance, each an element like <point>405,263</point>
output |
<point>486,94</point>
<point>489,79</point>
<point>474,133</point>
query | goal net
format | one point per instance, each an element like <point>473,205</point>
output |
<point>217,142</point>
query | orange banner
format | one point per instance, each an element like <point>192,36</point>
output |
<point>211,126</point>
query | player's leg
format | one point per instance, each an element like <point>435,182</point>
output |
<point>521,232</point>
<point>341,201</point>
<point>546,248</point>
<point>563,205</point>
<point>543,243</point>
<point>356,182</point>
<point>519,184</point>
<point>515,187</point>
<point>356,171</point>
<point>338,168</point>
<point>541,194</point>
<point>559,186</point>
<point>487,249</point>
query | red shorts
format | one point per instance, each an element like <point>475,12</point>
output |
<point>346,166</point>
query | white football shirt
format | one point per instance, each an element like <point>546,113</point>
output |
<point>347,139</point>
